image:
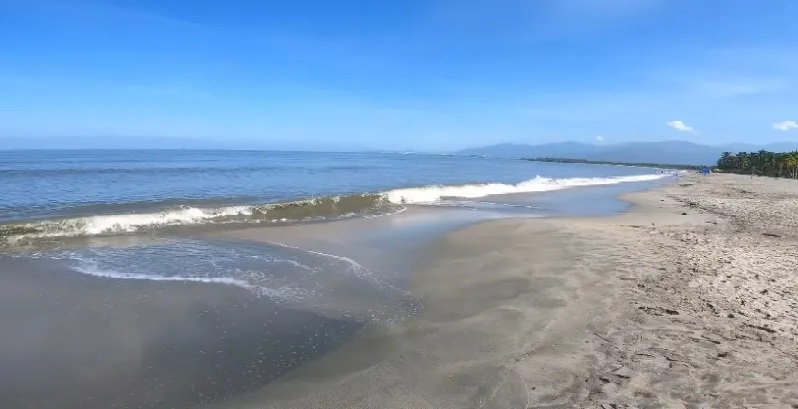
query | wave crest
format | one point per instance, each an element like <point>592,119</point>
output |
<point>317,209</point>
<point>323,208</point>
<point>432,194</point>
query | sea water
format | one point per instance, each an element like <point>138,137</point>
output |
<point>88,193</point>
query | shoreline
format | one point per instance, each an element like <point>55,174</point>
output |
<point>110,219</point>
<point>684,299</point>
<point>625,310</point>
<point>138,324</point>
<point>449,308</point>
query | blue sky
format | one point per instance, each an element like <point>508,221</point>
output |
<point>428,75</point>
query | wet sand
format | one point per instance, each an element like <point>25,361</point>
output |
<point>68,340</point>
<point>686,300</point>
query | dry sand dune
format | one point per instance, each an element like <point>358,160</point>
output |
<point>688,300</point>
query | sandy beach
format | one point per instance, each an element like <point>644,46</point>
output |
<point>686,300</point>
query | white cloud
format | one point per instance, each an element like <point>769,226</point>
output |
<point>599,138</point>
<point>680,126</point>
<point>785,125</point>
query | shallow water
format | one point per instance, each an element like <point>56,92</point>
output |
<point>72,340</point>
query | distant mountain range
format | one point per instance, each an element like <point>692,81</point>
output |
<point>666,152</point>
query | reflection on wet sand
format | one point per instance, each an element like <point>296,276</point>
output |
<point>73,341</point>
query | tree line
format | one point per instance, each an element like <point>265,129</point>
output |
<point>762,163</point>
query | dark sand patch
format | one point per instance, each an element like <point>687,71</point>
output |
<point>74,341</point>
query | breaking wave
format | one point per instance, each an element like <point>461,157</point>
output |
<point>317,209</point>
<point>431,194</point>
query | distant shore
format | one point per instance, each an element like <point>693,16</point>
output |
<point>685,300</point>
<point>602,162</point>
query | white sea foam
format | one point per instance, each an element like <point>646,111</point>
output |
<point>317,287</point>
<point>353,266</point>
<point>432,194</point>
<point>92,270</point>
<point>187,215</point>
<point>118,223</point>
<point>126,223</point>
<point>133,222</point>
<point>89,267</point>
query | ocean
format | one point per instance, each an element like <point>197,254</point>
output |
<point>179,278</point>
<point>86,193</point>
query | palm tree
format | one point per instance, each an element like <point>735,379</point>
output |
<point>724,163</point>
<point>762,162</point>
<point>792,164</point>
<point>780,162</point>
<point>743,162</point>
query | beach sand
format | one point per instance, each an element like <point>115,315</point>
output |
<point>687,300</point>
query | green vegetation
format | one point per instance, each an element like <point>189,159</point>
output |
<point>601,162</point>
<point>762,163</point>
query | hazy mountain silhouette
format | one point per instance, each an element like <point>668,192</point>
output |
<point>666,152</point>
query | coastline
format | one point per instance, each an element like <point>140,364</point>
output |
<point>80,334</point>
<point>685,299</point>
<point>679,301</point>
